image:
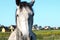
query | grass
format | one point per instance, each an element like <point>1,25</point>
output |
<point>47,34</point>
<point>40,35</point>
<point>4,36</point>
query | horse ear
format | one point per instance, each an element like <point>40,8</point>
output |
<point>32,2</point>
<point>17,2</point>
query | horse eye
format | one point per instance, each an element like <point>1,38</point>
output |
<point>17,15</point>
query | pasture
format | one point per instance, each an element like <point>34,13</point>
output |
<point>40,35</point>
<point>47,34</point>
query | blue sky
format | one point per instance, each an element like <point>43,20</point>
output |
<point>47,12</point>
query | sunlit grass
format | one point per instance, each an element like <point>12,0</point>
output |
<point>40,35</point>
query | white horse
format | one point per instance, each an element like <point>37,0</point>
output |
<point>24,22</point>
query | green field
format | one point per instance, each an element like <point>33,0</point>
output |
<point>47,34</point>
<point>40,35</point>
<point>4,36</point>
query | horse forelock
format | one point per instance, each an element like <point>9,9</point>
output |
<point>24,10</point>
<point>24,4</point>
